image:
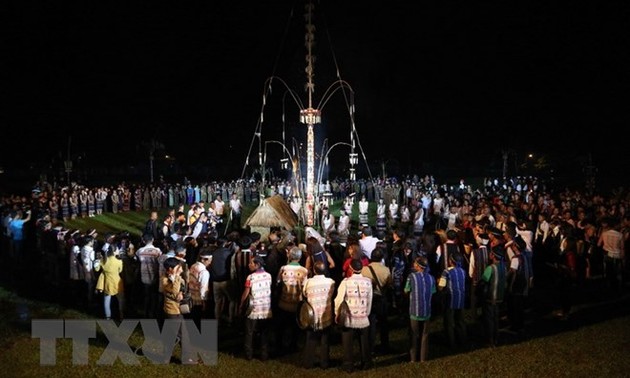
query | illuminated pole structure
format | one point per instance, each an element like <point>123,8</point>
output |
<point>310,117</point>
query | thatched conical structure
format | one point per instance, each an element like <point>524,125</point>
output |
<point>273,212</point>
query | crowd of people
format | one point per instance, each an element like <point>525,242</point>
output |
<point>430,251</point>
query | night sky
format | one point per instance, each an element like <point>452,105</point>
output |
<point>440,84</point>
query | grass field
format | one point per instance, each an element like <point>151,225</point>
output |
<point>595,342</point>
<point>134,221</point>
<point>597,350</point>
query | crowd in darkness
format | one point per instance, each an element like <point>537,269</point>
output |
<point>432,251</point>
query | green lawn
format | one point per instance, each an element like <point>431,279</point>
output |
<point>590,351</point>
<point>134,221</point>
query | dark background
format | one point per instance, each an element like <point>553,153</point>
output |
<point>440,88</point>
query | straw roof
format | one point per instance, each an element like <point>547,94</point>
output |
<point>273,212</point>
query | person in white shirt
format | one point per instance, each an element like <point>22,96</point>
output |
<point>381,215</point>
<point>88,257</point>
<point>200,224</point>
<point>426,203</point>
<point>328,221</point>
<point>356,292</point>
<point>343,227</point>
<point>438,204</point>
<point>418,222</point>
<point>611,241</point>
<point>319,291</point>
<point>363,211</point>
<point>218,221</point>
<point>393,212</point>
<point>199,285</point>
<point>219,205</point>
<point>452,218</point>
<point>347,205</point>
<point>235,211</point>
<point>367,241</point>
<point>296,205</point>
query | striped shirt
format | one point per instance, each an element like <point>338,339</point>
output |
<point>149,267</point>
<point>478,263</point>
<point>319,291</point>
<point>454,279</point>
<point>494,276</point>
<point>198,282</point>
<point>421,287</point>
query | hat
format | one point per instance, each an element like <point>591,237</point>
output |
<point>244,242</point>
<point>205,254</point>
<point>495,231</point>
<point>92,232</point>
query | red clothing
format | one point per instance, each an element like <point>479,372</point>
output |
<point>347,271</point>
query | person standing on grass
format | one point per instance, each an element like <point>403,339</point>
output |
<point>611,241</point>
<point>343,227</point>
<point>256,303</point>
<point>224,286</point>
<point>148,257</point>
<point>290,283</point>
<point>356,291</point>
<point>110,282</point>
<point>453,281</point>
<point>381,286</point>
<point>493,282</point>
<point>16,229</point>
<point>479,259</point>
<point>173,286</point>
<point>566,277</point>
<point>219,208</point>
<point>88,257</point>
<point>363,211</point>
<point>319,291</point>
<point>420,287</point>
<point>152,227</point>
<point>235,212</point>
<point>198,284</point>
<point>517,286</point>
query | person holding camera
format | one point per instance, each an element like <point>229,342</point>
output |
<point>173,286</point>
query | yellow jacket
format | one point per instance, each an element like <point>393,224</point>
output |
<point>109,280</point>
<point>170,289</point>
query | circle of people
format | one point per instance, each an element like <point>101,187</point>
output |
<point>442,250</point>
